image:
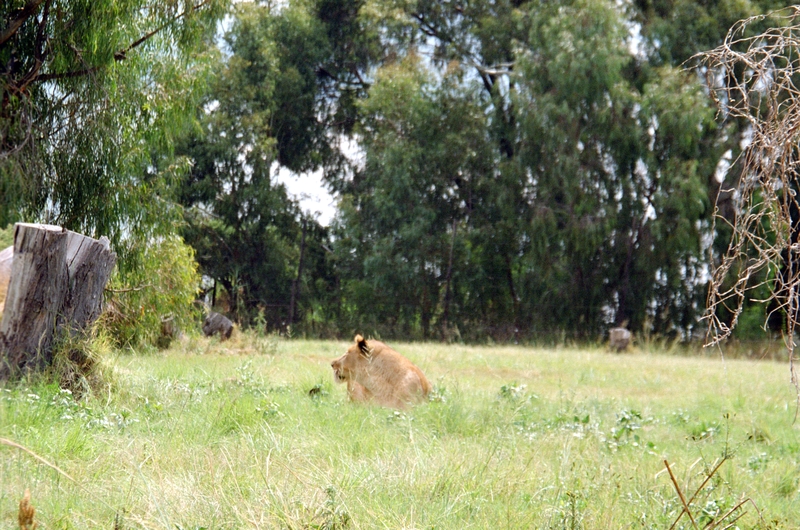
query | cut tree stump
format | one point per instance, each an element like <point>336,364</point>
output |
<point>56,287</point>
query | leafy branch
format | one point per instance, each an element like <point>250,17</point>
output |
<point>120,55</point>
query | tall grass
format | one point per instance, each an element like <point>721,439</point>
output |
<point>227,435</point>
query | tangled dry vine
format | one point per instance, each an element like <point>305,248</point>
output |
<point>755,80</point>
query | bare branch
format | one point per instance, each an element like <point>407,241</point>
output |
<point>129,289</point>
<point>16,22</point>
<point>120,55</point>
<point>754,80</point>
<point>686,509</point>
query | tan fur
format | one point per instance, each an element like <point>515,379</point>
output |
<point>357,392</point>
<point>385,376</point>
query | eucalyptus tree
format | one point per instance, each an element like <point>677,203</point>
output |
<point>261,113</point>
<point>613,151</point>
<point>93,94</point>
<point>680,33</point>
<point>595,162</point>
<point>400,230</point>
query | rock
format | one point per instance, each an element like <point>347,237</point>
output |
<point>216,323</point>
<point>619,338</point>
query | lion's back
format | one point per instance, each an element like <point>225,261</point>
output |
<point>396,377</point>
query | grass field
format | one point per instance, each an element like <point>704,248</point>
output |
<point>227,435</point>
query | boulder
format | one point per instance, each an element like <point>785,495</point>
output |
<point>619,339</point>
<point>216,323</point>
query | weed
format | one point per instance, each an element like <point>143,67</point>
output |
<point>438,394</point>
<point>758,462</point>
<point>270,409</point>
<point>26,513</point>
<point>787,484</point>
<point>628,421</point>
<point>759,435</point>
<point>331,515</point>
<point>568,514</point>
<point>513,391</point>
<point>317,391</point>
<point>704,431</point>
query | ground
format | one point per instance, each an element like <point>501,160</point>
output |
<point>214,434</point>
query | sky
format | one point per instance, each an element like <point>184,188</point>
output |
<point>310,192</point>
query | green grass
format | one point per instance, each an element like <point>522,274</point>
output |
<point>226,435</point>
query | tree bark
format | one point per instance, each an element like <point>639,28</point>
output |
<point>447,291</point>
<point>56,286</point>
<point>90,262</point>
<point>296,282</point>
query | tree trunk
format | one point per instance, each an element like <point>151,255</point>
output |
<point>447,293</point>
<point>514,300</point>
<point>56,286</point>
<point>90,262</point>
<point>296,282</point>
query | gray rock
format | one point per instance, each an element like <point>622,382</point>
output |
<point>216,323</point>
<point>619,338</point>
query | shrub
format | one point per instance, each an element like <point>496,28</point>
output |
<point>6,236</point>
<point>159,285</point>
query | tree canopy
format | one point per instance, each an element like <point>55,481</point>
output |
<point>524,170</point>
<point>93,94</point>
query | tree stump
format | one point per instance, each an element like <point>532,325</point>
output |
<point>56,286</point>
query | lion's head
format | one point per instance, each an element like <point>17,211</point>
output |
<point>356,357</point>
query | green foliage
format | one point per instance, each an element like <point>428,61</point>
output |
<point>94,94</point>
<point>674,31</point>
<point>624,182</point>
<point>426,154</point>
<point>261,112</point>
<point>535,178</point>
<point>527,169</point>
<point>6,236</point>
<point>80,365</point>
<point>161,285</point>
<point>537,173</point>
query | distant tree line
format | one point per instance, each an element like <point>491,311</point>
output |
<point>526,170</point>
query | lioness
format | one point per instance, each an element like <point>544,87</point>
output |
<point>374,371</point>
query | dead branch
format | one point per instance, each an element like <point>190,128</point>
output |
<point>120,55</point>
<point>10,443</point>
<point>129,289</point>
<point>686,509</point>
<point>18,19</point>
<point>753,79</point>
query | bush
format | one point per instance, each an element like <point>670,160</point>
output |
<point>159,286</point>
<point>6,236</point>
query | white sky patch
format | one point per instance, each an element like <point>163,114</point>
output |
<point>309,190</point>
<point>723,166</point>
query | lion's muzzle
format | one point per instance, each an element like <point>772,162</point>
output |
<point>338,372</point>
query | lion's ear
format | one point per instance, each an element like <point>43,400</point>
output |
<point>362,345</point>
